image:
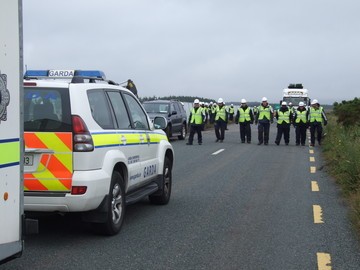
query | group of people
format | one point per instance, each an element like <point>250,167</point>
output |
<point>263,116</point>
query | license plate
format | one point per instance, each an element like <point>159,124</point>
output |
<point>28,160</point>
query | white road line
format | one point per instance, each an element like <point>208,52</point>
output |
<point>218,152</point>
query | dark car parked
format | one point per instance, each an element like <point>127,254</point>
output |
<point>173,111</point>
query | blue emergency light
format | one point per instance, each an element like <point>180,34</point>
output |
<point>64,74</point>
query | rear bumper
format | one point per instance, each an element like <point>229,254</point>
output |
<point>97,182</point>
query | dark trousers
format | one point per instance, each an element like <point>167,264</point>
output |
<point>315,128</point>
<point>300,133</point>
<point>245,131</point>
<point>197,129</point>
<point>220,129</point>
<point>283,129</point>
<point>263,132</point>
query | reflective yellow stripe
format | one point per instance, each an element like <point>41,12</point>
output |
<point>46,178</point>
<point>156,137</point>
<point>106,139</point>
<point>10,152</point>
<point>53,142</point>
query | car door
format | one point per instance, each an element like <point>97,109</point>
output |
<point>148,150</point>
<point>128,140</point>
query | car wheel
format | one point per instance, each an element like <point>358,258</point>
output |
<point>182,136</point>
<point>115,206</point>
<point>163,196</point>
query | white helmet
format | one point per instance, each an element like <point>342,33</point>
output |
<point>243,100</point>
<point>301,104</point>
<point>290,103</point>
<point>201,103</point>
<point>196,101</point>
<point>284,103</point>
<point>315,101</point>
<point>220,100</point>
<point>211,103</point>
<point>232,105</point>
<point>206,104</point>
<point>264,99</point>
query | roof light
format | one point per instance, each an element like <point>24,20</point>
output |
<point>64,74</point>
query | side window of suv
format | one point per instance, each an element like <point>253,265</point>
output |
<point>121,115</point>
<point>100,109</point>
<point>138,116</point>
<point>172,108</point>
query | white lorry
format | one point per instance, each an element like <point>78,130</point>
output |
<point>295,93</point>
<point>11,132</point>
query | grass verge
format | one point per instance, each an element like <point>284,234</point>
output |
<point>341,150</point>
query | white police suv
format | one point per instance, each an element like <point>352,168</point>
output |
<point>91,148</point>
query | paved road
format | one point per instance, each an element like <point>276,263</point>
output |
<point>247,207</point>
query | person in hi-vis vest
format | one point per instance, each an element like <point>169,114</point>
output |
<point>244,117</point>
<point>264,117</point>
<point>284,119</point>
<point>317,117</point>
<point>300,122</point>
<point>220,121</point>
<point>196,121</point>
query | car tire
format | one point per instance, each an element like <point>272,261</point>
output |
<point>115,206</point>
<point>182,136</point>
<point>163,196</point>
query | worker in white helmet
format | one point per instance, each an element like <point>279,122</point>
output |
<point>317,118</point>
<point>231,112</point>
<point>284,119</point>
<point>300,122</point>
<point>264,117</point>
<point>220,121</point>
<point>196,121</point>
<point>244,117</point>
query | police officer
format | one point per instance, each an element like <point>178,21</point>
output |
<point>244,117</point>
<point>316,118</point>
<point>196,120</point>
<point>284,118</point>
<point>301,123</point>
<point>212,112</point>
<point>264,117</point>
<point>231,112</point>
<point>220,121</point>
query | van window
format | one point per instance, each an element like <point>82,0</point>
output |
<point>100,109</point>
<point>46,110</point>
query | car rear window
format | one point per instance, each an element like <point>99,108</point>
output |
<point>156,107</point>
<point>47,109</point>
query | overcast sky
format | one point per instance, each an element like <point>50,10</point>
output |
<point>209,48</point>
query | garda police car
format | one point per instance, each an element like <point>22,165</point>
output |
<point>91,148</point>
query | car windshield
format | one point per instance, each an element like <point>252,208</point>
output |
<point>295,100</point>
<point>156,107</point>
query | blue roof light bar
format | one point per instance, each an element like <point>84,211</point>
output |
<point>65,74</point>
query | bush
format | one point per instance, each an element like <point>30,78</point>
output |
<point>348,112</point>
<point>341,149</point>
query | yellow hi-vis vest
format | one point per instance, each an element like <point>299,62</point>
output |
<point>284,117</point>
<point>220,113</point>
<point>213,109</point>
<point>264,112</point>
<point>301,116</point>
<point>316,115</point>
<point>196,117</point>
<point>244,115</point>
<point>231,110</point>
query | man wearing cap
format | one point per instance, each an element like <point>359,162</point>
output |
<point>316,117</point>
<point>264,117</point>
<point>301,123</point>
<point>196,120</point>
<point>220,121</point>
<point>244,117</point>
<point>284,118</point>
